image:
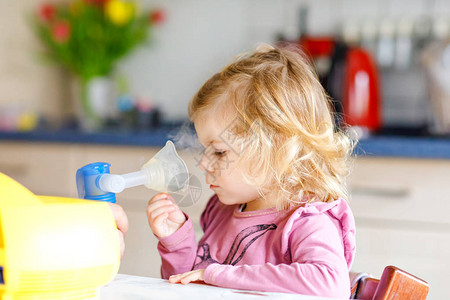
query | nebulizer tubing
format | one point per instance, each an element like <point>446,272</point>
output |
<point>117,183</point>
<point>164,172</point>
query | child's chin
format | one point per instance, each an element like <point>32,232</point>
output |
<point>226,200</point>
<point>229,202</point>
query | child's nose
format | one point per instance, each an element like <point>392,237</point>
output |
<point>205,164</point>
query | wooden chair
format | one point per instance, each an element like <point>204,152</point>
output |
<point>393,284</point>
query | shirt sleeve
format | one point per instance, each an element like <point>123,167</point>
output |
<point>178,250</point>
<point>318,264</point>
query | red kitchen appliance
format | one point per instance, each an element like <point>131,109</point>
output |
<point>361,95</point>
<point>352,81</point>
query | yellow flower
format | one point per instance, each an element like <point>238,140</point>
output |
<point>27,122</point>
<point>119,12</point>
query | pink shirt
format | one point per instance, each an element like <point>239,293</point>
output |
<point>308,250</point>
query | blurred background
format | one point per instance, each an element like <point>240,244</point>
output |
<point>83,81</point>
<point>196,38</point>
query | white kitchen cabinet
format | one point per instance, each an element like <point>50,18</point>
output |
<point>401,211</point>
<point>42,168</point>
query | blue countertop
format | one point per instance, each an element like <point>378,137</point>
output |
<point>410,147</point>
<point>389,146</point>
<point>156,137</point>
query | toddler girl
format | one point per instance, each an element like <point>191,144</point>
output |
<point>278,220</point>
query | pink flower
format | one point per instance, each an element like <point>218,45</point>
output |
<point>47,12</point>
<point>61,31</point>
<point>157,16</point>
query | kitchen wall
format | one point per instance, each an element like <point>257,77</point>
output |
<point>198,38</point>
<point>25,83</point>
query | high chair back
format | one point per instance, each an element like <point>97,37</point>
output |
<point>393,284</point>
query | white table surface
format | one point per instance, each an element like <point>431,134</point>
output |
<point>129,287</point>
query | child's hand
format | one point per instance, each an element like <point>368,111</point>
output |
<point>164,216</point>
<point>121,223</point>
<point>185,278</point>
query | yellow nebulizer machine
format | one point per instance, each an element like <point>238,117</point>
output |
<point>52,247</point>
<point>64,248</point>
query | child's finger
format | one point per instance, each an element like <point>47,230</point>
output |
<point>159,219</point>
<point>120,217</point>
<point>155,205</point>
<point>185,278</point>
<point>162,196</point>
<point>169,197</point>
<point>176,278</point>
<point>121,242</point>
<point>158,197</point>
<point>158,223</point>
<point>168,208</point>
<point>176,217</point>
<point>189,278</point>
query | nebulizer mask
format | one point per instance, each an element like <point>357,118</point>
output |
<point>164,172</point>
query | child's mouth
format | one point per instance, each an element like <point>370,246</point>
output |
<point>213,186</point>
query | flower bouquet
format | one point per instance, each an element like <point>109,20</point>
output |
<point>89,37</point>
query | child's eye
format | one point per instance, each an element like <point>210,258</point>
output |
<point>219,153</point>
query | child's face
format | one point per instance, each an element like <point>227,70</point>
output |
<point>219,161</point>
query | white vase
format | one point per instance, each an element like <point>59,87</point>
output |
<point>95,101</point>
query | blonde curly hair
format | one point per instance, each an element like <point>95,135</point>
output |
<point>285,121</point>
